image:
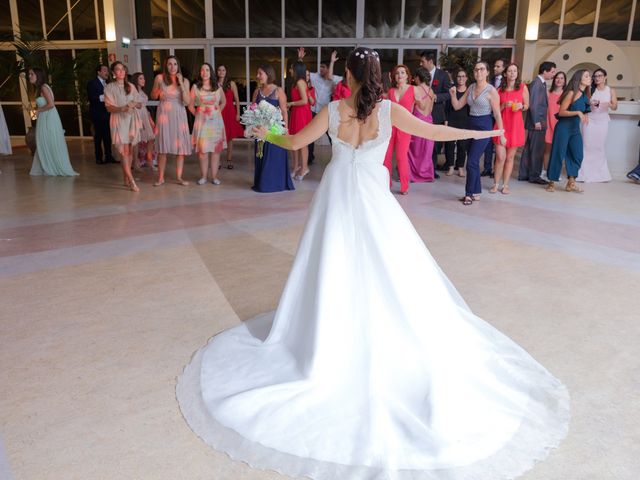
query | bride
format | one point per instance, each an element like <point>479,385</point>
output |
<point>355,376</point>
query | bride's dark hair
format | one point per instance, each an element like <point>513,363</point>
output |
<point>364,65</point>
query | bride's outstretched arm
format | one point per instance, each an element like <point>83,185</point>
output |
<point>401,118</point>
<point>309,134</point>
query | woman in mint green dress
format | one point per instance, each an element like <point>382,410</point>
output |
<point>52,155</point>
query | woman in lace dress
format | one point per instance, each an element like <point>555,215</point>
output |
<point>373,366</point>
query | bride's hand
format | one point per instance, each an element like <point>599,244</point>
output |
<point>259,132</point>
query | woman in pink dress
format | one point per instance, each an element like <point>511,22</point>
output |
<point>594,166</point>
<point>143,155</point>
<point>171,119</point>
<point>421,149</point>
<point>230,112</point>
<point>208,138</point>
<point>403,94</point>
<point>555,90</point>
<point>299,117</point>
<point>514,99</point>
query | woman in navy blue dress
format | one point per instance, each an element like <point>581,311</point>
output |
<point>272,170</point>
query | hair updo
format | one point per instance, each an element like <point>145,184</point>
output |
<point>364,65</point>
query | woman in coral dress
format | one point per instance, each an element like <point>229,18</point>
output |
<point>557,86</point>
<point>300,116</point>
<point>230,112</point>
<point>421,149</point>
<point>208,138</point>
<point>514,99</point>
<point>171,119</point>
<point>121,100</point>
<point>403,94</point>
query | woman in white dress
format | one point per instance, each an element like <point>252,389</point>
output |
<point>121,100</point>
<point>594,166</point>
<point>358,376</point>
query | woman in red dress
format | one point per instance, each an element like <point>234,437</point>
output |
<point>231,112</point>
<point>341,90</point>
<point>299,117</point>
<point>514,99</point>
<point>403,94</point>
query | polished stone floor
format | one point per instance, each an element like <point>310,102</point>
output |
<point>105,294</point>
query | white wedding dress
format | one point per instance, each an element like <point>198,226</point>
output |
<point>373,366</point>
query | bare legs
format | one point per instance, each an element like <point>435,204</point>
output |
<point>126,168</point>
<point>300,163</point>
<point>209,160</point>
<point>162,165</point>
<point>503,168</point>
<point>229,153</point>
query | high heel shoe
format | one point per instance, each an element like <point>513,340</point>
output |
<point>301,176</point>
<point>131,185</point>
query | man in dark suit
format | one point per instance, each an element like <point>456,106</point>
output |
<point>536,125</point>
<point>100,116</point>
<point>440,84</point>
<point>496,79</point>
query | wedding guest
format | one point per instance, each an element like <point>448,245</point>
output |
<point>100,116</point>
<point>52,155</point>
<point>386,84</point>
<point>171,119</point>
<point>341,90</point>
<point>567,143</point>
<point>440,85</point>
<point>323,82</point>
<point>555,90</point>
<point>483,100</point>
<point>272,169</point>
<point>603,98</point>
<point>121,100</point>
<point>231,111</point>
<point>514,99</point>
<point>145,151</point>
<point>299,118</point>
<point>421,149</point>
<point>208,138</point>
<point>457,119</point>
<point>536,125</point>
<point>5,140</point>
<point>496,81</point>
<point>403,94</point>
<point>311,93</point>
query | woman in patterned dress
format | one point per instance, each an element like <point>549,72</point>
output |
<point>171,119</point>
<point>121,100</point>
<point>208,138</point>
<point>144,150</point>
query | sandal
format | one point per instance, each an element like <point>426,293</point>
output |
<point>461,172</point>
<point>551,187</point>
<point>505,190</point>
<point>466,200</point>
<point>494,188</point>
<point>475,197</point>
<point>229,165</point>
<point>572,187</point>
<point>182,182</point>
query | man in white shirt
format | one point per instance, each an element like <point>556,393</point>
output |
<point>323,82</point>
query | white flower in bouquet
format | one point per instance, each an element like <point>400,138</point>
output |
<point>262,114</point>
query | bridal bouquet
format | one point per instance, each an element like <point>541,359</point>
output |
<point>262,114</point>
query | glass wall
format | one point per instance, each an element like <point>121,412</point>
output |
<point>68,66</point>
<point>580,20</point>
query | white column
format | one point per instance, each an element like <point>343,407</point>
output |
<point>119,24</point>
<point>527,23</point>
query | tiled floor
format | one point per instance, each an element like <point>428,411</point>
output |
<point>105,294</point>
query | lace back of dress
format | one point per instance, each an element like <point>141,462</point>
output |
<point>384,121</point>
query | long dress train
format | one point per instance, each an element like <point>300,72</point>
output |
<point>373,366</point>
